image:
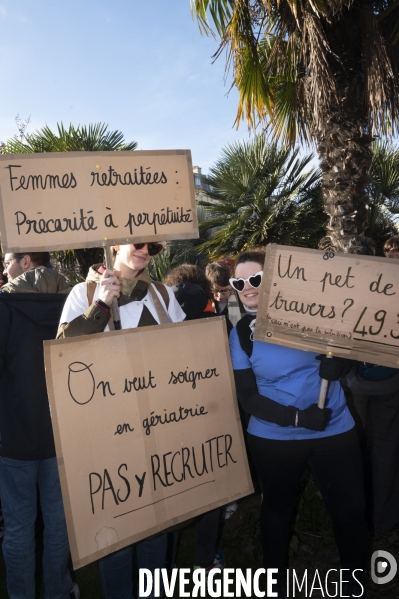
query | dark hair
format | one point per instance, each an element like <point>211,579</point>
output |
<point>37,258</point>
<point>258,256</point>
<point>218,273</point>
<point>392,244</point>
<point>189,273</point>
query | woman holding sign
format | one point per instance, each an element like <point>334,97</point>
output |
<point>279,387</point>
<point>141,303</point>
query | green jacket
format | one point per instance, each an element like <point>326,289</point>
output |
<point>38,280</point>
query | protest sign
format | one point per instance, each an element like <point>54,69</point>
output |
<point>147,431</point>
<point>343,303</point>
<point>66,200</point>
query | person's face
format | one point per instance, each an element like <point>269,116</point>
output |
<point>12,268</point>
<point>249,296</point>
<point>132,259</point>
<point>392,254</point>
<point>220,293</point>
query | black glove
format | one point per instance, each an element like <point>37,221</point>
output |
<point>314,418</point>
<point>332,369</point>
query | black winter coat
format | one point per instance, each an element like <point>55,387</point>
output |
<point>26,320</point>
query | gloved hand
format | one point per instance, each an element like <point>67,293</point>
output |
<point>333,368</point>
<point>314,418</point>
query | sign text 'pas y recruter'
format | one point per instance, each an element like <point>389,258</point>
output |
<point>146,437</point>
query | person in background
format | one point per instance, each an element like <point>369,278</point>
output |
<point>1,512</point>
<point>391,248</point>
<point>30,307</point>
<point>375,395</point>
<point>190,273</point>
<point>227,304</point>
<point>191,297</point>
<point>194,301</point>
<point>279,387</point>
<point>225,299</point>
<point>142,302</point>
<point>2,280</point>
<point>211,282</point>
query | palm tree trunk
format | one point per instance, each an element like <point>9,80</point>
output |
<point>345,160</point>
<point>344,145</point>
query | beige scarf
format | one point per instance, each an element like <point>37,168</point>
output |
<point>134,290</point>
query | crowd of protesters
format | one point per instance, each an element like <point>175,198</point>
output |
<point>277,388</point>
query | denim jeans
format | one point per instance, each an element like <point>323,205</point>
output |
<point>19,482</point>
<point>116,569</point>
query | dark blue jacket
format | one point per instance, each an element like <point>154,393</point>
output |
<point>26,320</point>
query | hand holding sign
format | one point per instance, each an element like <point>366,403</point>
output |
<point>110,287</point>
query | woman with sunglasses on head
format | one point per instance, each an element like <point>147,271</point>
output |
<point>279,387</point>
<point>142,302</point>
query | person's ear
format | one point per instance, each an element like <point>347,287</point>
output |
<point>26,263</point>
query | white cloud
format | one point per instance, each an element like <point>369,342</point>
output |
<point>3,11</point>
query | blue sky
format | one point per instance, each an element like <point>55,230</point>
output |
<point>140,66</point>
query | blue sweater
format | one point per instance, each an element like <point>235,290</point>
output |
<point>289,377</point>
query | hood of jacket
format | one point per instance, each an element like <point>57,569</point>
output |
<point>191,298</point>
<point>38,295</point>
<point>38,280</point>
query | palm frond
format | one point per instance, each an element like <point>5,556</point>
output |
<point>92,138</point>
<point>261,193</point>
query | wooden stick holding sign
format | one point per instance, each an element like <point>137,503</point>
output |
<point>115,308</point>
<point>323,388</point>
<point>163,315</point>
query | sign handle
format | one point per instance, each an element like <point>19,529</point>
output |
<point>323,388</point>
<point>114,308</point>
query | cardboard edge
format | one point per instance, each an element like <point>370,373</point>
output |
<point>234,394</point>
<point>58,445</point>
<point>100,243</point>
<point>79,563</point>
<point>268,269</point>
<point>136,330</point>
<point>343,255</point>
<point>67,155</point>
<point>3,238</point>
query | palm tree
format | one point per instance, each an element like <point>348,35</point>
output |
<point>261,194</point>
<point>321,71</point>
<point>93,138</point>
<point>383,219</point>
<point>185,251</point>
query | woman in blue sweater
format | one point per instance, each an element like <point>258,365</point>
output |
<point>279,387</point>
